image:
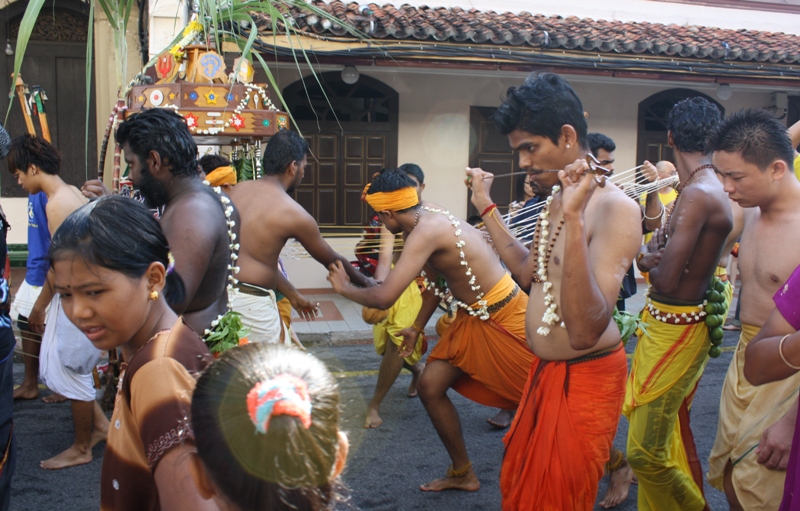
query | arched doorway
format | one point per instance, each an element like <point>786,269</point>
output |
<point>56,61</point>
<point>653,114</point>
<point>352,131</point>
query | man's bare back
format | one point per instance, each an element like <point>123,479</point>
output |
<point>61,203</point>
<point>702,218</point>
<point>195,222</point>
<point>610,221</point>
<point>269,218</point>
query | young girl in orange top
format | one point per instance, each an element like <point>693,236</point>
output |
<point>112,270</point>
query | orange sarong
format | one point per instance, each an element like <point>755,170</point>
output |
<point>492,353</point>
<point>559,442</point>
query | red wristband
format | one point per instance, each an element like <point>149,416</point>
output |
<point>489,209</point>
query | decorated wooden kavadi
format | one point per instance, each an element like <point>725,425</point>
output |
<point>221,107</point>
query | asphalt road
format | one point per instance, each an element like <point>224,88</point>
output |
<point>386,465</point>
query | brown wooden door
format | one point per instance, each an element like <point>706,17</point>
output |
<point>341,166</point>
<point>59,67</point>
<point>490,151</point>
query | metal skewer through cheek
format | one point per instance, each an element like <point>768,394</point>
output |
<point>595,168</point>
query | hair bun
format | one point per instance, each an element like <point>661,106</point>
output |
<point>282,395</point>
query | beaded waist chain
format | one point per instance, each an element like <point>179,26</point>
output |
<point>674,318</point>
<point>495,307</point>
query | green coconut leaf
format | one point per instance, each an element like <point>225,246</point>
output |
<point>89,47</point>
<point>25,30</point>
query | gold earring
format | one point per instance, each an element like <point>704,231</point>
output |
<point>154,295</point>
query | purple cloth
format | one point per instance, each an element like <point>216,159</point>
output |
<point>791,489</point>
<point>787,299</point>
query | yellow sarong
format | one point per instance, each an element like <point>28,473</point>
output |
<point>797,166</point>
<point>401,315</point>
<point>745,412</point>
<point>667,364</point>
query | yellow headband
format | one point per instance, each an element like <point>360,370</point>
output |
<point>397,200</point>
<point>222,176</point>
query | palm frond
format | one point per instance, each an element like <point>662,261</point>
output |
<point>25,29</point>
<point>89,47</point>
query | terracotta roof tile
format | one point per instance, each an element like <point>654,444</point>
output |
<point>572,33</point>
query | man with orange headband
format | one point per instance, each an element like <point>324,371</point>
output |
<point>585,240</point>
<point>219,171</point>
<point>483,354</point>
<point>270,216</point>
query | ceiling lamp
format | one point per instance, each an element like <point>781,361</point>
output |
<point>350,75</point>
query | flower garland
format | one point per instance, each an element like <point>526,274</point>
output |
<point>190,32</point>
<point>219,342</point>
<point>550,316</point>
<point>483,306</point>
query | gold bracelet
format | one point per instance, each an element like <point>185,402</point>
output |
<point>780,352</point>
<point>418,329</point>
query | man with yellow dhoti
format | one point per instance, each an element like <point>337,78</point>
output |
<point>585,240</point>
<point>388,324</point>
<point>483,354</point>
<point>754,157</point>
<point>674,340</point>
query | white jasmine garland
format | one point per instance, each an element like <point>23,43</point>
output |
<point>482,310</point>
<point>234,247</point>
<point>550,316</point>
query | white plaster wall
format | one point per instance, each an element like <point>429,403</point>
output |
<point>434,125</point>
<point>634,10</point>
<point>167,19</point>
<point>16,210</point>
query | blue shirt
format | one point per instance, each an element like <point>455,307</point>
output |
<point>38,240</point>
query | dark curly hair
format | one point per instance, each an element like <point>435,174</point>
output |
<point>691,122</point>
<point>211,162</point>
<point>599,141</point>
<point>162,131</point>
<point>541,106</point>
<point>27,150</point>
<point>281,150</point>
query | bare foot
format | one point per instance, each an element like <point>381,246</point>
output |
<point>467,483</point>
<point>97,437</point>
<point>54,398</point>
<point>69,458</point>
<point>26,392</point>
<point>503,419</point>
<point>416,372</point>
<point>618,486</point>
<point>373,420</point>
